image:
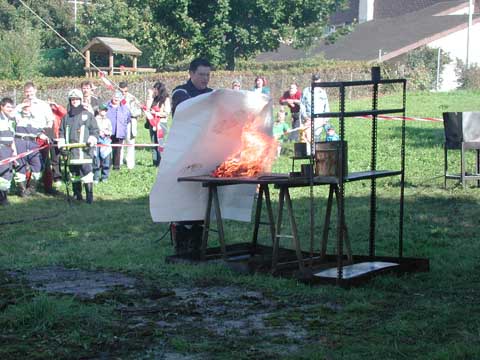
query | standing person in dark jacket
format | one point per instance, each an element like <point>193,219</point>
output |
<point>79,127</point>
<point>28,129</point>
<point>199,72</point>
<point>187,235</point>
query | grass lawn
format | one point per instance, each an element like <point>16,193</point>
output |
<point>212,312</point>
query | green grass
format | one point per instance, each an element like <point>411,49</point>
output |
<point>430,315</point>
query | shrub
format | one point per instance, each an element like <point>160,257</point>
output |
<point>468,78</point>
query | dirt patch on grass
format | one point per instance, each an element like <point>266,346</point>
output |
<point>80,283</point>
<point>188,322</point>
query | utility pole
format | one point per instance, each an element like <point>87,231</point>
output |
<point>75,9</point>
<point>470,11</point>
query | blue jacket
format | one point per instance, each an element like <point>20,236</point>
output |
<point>120,117</point>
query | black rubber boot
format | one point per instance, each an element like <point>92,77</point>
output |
<point>187,237</point>
<point>89,192</point>
<point>3,198</point>
<point>77,191</point>
<point>21,189</point>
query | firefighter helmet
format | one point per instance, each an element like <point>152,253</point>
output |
<point>75,94</point>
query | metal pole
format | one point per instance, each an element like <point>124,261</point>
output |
<point>470,11</point>
<point>437,86</point>
<point>75,15</point>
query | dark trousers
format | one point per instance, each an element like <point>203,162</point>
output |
<point>55,163</point>
<point>32,161</point>
<point>101,166</point>
<point>116,152</point>
<point>294,136</point>
<point>6,172</point>
<point>156,156</point>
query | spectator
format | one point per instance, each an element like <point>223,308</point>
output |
<point>119,116</point>
<point>331,134</point>
<point>79,127</point>
<point>27,130</point>
<point>158,102</point>
<point>43,118</point>
<point>131,102</point>
<point>291,98</point>
<point>321,106</point>
<point>90,102</point>
<point>260,85</point>
<point>280,130</point>
<point>236,85</point>
<point>58,112</point>
<point>7,147</point>
<point>101,162</point>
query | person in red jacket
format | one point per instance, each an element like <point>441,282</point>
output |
<point>56,175</point>
<point>291,98</point>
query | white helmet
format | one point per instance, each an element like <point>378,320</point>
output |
<point>75,94</point>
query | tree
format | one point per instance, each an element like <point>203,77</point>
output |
<point>172,31</point>
<point>132,20</point>
<point>20,58</point>
<point>225,30</point>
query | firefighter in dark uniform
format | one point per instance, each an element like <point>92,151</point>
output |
<point>28,129</point>
<point>7,146</point>
<point>187,235</point>
<point>79,127</point>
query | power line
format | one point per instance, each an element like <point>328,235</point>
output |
<point>61,37</point>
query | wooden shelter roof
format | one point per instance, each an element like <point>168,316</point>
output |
<point>115,45</point>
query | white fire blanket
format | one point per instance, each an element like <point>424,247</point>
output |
<point>206,130</point>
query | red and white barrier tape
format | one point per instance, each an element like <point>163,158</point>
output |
<point>407,118</point>
<point>381,117</point>
<point>22,155</point>
<point>30,152</point>
<point>131,145</point>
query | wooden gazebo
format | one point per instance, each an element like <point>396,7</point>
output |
<point>111,46</point>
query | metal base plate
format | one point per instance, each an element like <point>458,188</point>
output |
<point>351,271</point>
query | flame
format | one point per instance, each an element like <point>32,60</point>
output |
<point>256,156</point>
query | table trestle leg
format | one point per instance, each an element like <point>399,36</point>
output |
<point>326,227</point>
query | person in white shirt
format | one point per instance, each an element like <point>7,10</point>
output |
<point>135,111</point>
<point>321,106</point>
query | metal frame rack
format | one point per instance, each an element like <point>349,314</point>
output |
<point>339,186</point>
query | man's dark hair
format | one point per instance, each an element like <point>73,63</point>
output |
<point>86,83</point>
<point>123,84</point>
<point>28,85</point>
<point>5,101</point>
<point>199,62</point>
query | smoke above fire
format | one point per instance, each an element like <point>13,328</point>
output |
<point>255,157</point>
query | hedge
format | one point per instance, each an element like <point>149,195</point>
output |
<point>278,79</point>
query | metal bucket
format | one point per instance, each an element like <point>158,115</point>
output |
<point>331,158</point>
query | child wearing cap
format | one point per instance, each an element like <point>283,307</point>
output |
<point>101,164</point>
<point>280,129</point>
<point>331,134</point>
